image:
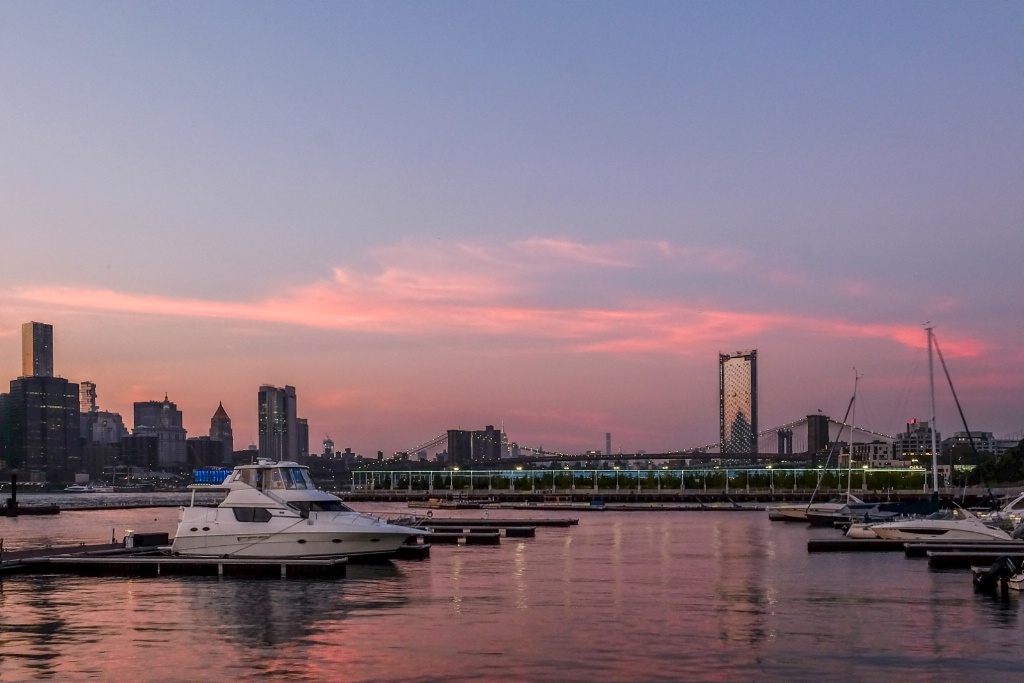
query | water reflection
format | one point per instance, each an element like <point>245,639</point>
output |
<point>660,596</point>
<point>269,612</point>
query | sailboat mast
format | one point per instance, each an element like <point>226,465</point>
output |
<point>931,387</point>
<point>853,421</point>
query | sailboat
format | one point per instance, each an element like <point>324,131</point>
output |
<point>957,524</point>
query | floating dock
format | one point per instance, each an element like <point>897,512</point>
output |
<point>494,523</point>
<point>923,548</point>
<point>488,537</point>
<point>850,545</point>
<point>116,560</point>
<point>951,559</point>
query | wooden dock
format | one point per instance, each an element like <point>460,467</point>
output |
<point>850,545</point>
<point>114,559</point>
<point>495,523</point>
<point>965,559</point>
<point>923,548</point>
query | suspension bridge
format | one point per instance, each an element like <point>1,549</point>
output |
<point>798,440</point>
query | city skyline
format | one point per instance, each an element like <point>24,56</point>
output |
<point>552,217</point>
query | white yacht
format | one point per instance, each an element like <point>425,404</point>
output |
<point>273,510</point>
<point>946,525</point>
<point>79,488</point>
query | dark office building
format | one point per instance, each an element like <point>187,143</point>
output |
<point>818,438</point>
<point>205,451</point>
<point>460,446</point>
<point>467,447</point>
<point>487,445</point>
<point>141,451</point>
<point>162,419</point>
<point>40,427</point>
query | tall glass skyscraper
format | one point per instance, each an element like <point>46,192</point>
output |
<point>36,350</point>
<point>737,389</point>
<point>279,428</point>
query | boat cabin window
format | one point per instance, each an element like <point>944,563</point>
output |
<point>320,506</point>
<point>252,514</point>
<point>275,478</point>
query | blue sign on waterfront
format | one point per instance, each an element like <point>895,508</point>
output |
<point>209,476</point>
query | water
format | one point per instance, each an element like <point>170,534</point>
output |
<point>644,596</point>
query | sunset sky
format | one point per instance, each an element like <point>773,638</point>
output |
<point>550,216</point>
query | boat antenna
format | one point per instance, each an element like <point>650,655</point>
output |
<point>970,437</point>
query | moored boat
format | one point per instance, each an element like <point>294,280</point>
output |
<point>273,510</point>
<point>956,524</point>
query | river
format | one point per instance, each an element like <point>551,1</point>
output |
<point>623,596</point>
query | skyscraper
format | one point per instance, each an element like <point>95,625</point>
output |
<point>279,427</point>
<point>220,430</point>
<point>737,390</point>
<point>162,419</point>
<point>36,350</point>
<point>39,418</point>
<point>87,397</point>
<point>41,427</point>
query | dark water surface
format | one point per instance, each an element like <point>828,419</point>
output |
<point>624,596</point>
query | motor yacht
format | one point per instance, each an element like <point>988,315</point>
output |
<point>273,510</point>
<point>79,488</point>
<point>956,524</point>
<point>1008,516</point>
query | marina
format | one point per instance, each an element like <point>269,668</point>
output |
<point>672,594</point>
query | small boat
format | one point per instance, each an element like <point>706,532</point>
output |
<point>79,488</point>
<point>1001,574</point>
<point>956,524</point>
<point>803,512</point>
<point>273,510</point>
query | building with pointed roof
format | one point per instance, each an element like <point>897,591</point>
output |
<point>220,430</point>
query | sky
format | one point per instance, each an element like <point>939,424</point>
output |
<point>547,216</point>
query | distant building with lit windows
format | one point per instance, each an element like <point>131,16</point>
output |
<point>915,443</point>
<point>39,417</point>
<point>278,423</point>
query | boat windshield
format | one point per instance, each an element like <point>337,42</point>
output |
<point>320,506</point>
<point>289,478</point>
<point>276,478</point>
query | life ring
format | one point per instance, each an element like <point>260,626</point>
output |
<point>430,514</point>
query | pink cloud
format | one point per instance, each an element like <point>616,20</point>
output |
<point>470,289</point>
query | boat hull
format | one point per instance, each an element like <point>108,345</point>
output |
<point>292,545</point>
<point>215,532</point>
<point>936,533</point>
